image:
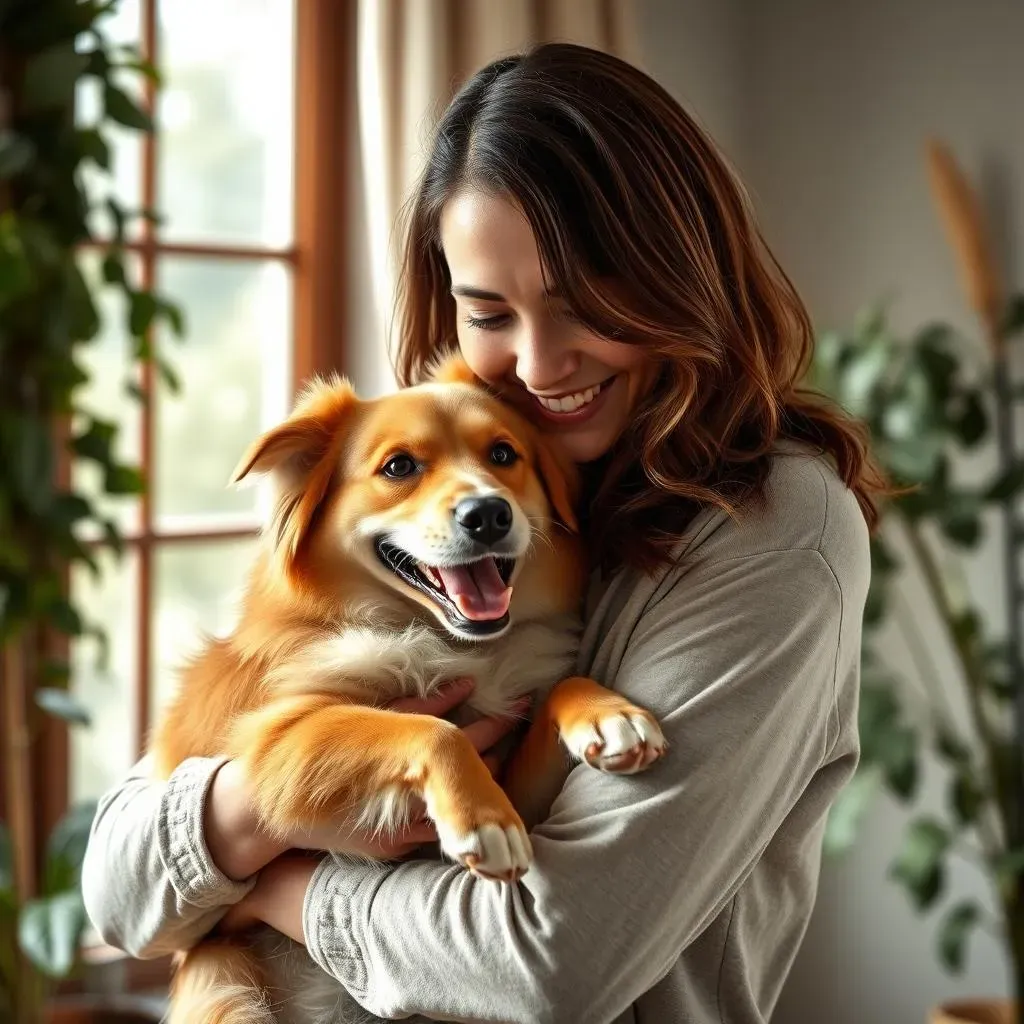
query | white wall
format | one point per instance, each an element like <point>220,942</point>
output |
<point>824,108</point>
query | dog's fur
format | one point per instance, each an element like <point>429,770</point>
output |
<point>330,631</point>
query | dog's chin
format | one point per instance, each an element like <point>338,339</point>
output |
<point>426,586</point>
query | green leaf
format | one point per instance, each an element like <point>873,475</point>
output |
<point>97,62</point>
<point>84,318</point>
<point>68,509</point>
<point>120,107</point>
<point>63,705</point>
<point>168,375</point>
<point>1007,868</point>
<point>932,347</point>
<point>952,749</point>
<point>113,268</point>
<point>95,441</point>
<point>142,309</point>
<point>1007,484</point>
<point>146,69</point>
<point>50,78</point>
<point>919,865</point>
<point>93,146</point>
<point>50,930</point>
<point>1014,322</point>
<point>862,373</point>
<point>121,480</point>
<point>915,459</point>
<point>64,617</point>
<point>16,154</point>
<point>118,216</point>
<point>970,421</point>
<point>112,535</point>
<point>65,848</point>
<point>849,808</point>
<point>960,517</point>
<point>966,797</point>
<point>174,317</point>
<point>954,931</point>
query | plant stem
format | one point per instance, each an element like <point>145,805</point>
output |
<point>929,674</point>
<point>973,674</point>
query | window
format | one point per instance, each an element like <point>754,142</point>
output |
<point>246,169</point>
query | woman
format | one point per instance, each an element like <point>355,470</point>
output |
<point>585,245</point>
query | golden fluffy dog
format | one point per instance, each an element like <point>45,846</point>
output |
<point>415,538</point>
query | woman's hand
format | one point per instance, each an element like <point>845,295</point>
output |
<point>239,847</point>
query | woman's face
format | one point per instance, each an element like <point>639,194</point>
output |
<point>523,340</point>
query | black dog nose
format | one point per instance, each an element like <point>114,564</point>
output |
<point>484,519</point>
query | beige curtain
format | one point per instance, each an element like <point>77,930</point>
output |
<point>412,55</point>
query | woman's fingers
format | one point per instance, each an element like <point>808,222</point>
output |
<point>485,732</point>
<point>439,703</point>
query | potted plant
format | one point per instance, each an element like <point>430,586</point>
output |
<point>927,401</point>
<point>48,313</point>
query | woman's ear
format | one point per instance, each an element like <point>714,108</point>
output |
<point>561,483</point>
<point>299,457</point>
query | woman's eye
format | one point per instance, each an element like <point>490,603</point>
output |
<point>503,454</point>
<point>486,323</point>
<point>398,467</point>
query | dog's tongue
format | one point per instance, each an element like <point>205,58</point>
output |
<point>478,590</point>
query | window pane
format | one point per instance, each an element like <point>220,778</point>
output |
<point>233,371</point>
<point>225,164</point>
<point>108,361</point>
<point>197,590</point>
<point>124,27</point>
<point>102,752</point>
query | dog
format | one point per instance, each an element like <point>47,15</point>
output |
<point>416,538</point>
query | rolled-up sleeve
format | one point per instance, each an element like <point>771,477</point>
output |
<point>149,883</point>
<point>738,660</point>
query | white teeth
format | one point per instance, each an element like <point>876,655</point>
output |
<point>570,403</point>
<point>431,575</point>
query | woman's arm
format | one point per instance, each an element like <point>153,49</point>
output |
<point>167,859</point>
<point>150,882</point>
<point>738,660</point>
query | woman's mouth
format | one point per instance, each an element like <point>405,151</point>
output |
<point>575,407</point>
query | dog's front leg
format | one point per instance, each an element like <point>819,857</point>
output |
<point>596,725</point>
<point>314,761</point>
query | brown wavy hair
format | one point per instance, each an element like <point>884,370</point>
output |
<point>621,187</point>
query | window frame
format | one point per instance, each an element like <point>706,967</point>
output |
<point>324,84</point>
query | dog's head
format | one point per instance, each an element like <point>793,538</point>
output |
<point>439,493</point>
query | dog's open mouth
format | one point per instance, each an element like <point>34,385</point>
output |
<point>474,597</point>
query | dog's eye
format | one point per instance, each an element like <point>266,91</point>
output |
<point>503,454</point>
<point>398,467</point>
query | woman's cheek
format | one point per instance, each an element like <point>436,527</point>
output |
<point>481,361</point>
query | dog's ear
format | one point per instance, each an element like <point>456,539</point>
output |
<point>300,457</point>
<point>451,368</point>
<point>561,483</point>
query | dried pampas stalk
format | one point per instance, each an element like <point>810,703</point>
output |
<point>965,227</point>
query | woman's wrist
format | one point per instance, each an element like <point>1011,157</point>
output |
<point>237,843</point>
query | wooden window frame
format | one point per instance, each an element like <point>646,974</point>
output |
<point>324,69</point>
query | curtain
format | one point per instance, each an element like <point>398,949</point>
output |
<point>412,55</point>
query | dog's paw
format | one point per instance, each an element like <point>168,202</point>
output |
<point>494,851</point>
<point>620,742</point>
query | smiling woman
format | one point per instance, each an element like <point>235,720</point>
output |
<point>523,338</point>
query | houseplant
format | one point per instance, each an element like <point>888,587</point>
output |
<point>927,400</point>
<point>48,314</point>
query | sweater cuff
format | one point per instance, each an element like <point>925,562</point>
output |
<point>190,868</point>
<point>329,924</point>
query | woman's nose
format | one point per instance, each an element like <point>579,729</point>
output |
<point>543,359</point>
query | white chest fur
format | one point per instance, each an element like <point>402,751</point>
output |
<point>378,665</point>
